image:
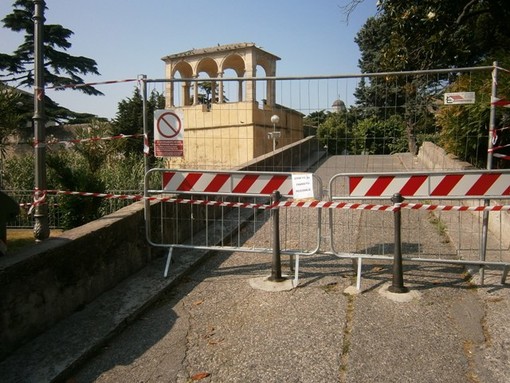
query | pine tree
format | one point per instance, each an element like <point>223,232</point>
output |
<point>60,67</point>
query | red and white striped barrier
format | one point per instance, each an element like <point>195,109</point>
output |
<point>467,184</point>
<point>227,183</point>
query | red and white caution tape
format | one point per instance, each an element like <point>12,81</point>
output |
<point>500,102</point>
<point>60,87</point>
<point>98,195</point>
<point>421,206</point>
<point>501,156</point>
<point>41,198</point>
<point>146,145</point>
<point>90,139</point>
<point>498,147</point>
<point>337,205</point>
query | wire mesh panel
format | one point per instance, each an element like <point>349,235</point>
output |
<point>215,210</point>
<point>371,123</point>
<point>368,229</point>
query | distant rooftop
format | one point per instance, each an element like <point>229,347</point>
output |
<point>217,48</point>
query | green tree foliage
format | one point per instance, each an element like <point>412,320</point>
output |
<point>316,118</point>
<point>60,67</point>
<point>427,34</point>
<point>464,128</point>
<point>129,118</point>
<point>18,173</point>
<point>413,35</point>
<point>72,172</point>
<point>78,169</point>
<point>376,136</point>
<point>333,132</point>
<point>10,118</point>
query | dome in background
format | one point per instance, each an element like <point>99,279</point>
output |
<point>339,106</point>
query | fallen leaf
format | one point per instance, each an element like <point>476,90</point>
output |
<point>196,303</point>
<point>200,376</point>
<point>215,341</point>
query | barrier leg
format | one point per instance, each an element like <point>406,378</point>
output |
<point>296,272</point>
<point>505,274</point>
<point>397,285</point>
<point>358,275</point>
<point>276,264</point>
<point>168,260</point>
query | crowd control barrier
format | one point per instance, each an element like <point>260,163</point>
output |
<point>360,227</point>
<point>213,205</point>
<point>461,192</point>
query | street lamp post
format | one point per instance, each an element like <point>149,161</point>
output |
<point>274,134</point>
<point>41,227</point>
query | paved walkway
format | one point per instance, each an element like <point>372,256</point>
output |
<point>206,323</point>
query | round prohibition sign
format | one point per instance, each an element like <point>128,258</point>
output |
<point>169,125</point>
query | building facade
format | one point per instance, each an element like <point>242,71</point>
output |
<point>224,123</point>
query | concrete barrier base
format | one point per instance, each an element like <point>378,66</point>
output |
<point>263,283</point>
<point>399,297</point>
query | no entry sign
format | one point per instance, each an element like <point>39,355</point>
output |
<point>168,133</point>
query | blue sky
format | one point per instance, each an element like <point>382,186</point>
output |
<point>129,37</point>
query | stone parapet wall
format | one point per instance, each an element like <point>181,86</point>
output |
<point>47,282</point>
<point>435,158</point>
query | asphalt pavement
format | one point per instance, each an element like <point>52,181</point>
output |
<point>206,322</point>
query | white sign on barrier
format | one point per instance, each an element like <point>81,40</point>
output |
<point>168,133</point>
<point>302,185</point>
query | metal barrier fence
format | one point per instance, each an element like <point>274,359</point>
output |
<point>228,207</point>
<point>360,136</point>
<point>358,229</point>
<point>396,114</point>
<point>452,193</point>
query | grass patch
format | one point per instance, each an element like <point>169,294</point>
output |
<point>440,227</point>
<point>20,238</point>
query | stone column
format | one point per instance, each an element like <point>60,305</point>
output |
<point>170,93</point>
<point>271,86</point>
<point>251,71</point>
<point>195,91</point>
<point>185,94</point>
<point>220,96</point>
<point>169,87</point>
